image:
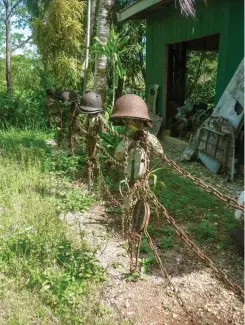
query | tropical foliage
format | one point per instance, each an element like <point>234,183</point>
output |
<point>201,76</point>
<point>113,48</point>
<point>59,37</point>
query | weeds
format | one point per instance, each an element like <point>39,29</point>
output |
<point>38,257</point>
<point>188,205</point>
<point>204,231</point>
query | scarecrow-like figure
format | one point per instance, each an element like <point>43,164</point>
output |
<point>55,98</point>
<point>91,103</point>
<point>132,112</point>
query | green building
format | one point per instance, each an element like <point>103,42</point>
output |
<point>218,26</point>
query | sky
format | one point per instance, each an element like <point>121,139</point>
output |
<point>26,32</point>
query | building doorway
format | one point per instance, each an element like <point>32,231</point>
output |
<point>191,83</point>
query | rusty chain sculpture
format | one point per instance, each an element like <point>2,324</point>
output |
<point>136,210</point>
<point>208,188</point>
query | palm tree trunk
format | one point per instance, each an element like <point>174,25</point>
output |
<point>88,33</point>
<point>114,82</point>
<point>8,45</point>
<point>94,9</point>
<point>119,90</point>
<point>100,75</point>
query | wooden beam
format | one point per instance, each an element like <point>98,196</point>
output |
<point>139,9</point>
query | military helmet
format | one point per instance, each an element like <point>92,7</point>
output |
<point>50,91</point>
<point>91,102</point>
<point>130,106</point>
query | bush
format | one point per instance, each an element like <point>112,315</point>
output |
<point>25,109</point>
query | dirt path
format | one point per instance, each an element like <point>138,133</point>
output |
<point>150,302</point>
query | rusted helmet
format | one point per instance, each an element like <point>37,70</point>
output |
<point>130,106</point>
<point>50,91</point>
<point>91,102</point>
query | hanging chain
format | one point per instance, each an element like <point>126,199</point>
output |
<point>109,128</point>
<point>166,275</point>
<point>220,274</point>
<point>105,152</point>
<point>128,201</point>
<point>114,201</point>
<point>138,191</point>
<point>210,189</point>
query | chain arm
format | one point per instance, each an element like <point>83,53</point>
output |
<point>165,275</point>
<point>219,273</point>
<point>210,189</point>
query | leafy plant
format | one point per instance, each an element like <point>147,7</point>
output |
<point>145,264</point>
<point>204,231</point>
<point>201,76</point>
<point>154,232</point>
<point>144,247</point>
<point>166,242</point>
<point>113,48</point>
<point>75,200</point>
<point>168,230</point>
<point>58,35</point>
<point>155,178</point>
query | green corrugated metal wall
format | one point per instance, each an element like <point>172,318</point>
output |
<point>168,26</point>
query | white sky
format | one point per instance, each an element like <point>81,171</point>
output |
<point>26,32</point>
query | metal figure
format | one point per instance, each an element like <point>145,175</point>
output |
<point>132,112</point>
<point>91,104</point>
<point>55,98</point>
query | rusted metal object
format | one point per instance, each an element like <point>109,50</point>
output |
<point>141,216</point>
<point>91,103</point>
<point>130,107</point>
<point>237,233</point>
<point>55,98</point>
<point>216,145</point>
<point>230,108</point>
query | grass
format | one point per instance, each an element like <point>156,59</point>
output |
<point>48,274</point>
<point>205,218</point>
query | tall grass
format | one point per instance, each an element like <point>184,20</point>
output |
<point>47,276</point>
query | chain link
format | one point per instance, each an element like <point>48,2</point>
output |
<point>219,273</point>
<point>210,189</point>
<point>166,275</point>
<point>141,190</point>
<point>105,152</point>
<point>104,185</point>
<point>109,128</point>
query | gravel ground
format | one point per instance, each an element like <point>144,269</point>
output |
<point>149,301</point>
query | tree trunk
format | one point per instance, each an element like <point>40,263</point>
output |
<point>8,46</point>
<point>88,33</point>
<point>114,82</point>
<point>94,10</point>
<point>103,24</point>
<point>119,90</point>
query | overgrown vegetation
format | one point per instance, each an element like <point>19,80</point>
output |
<point>201,75</point>
<point>48,273</point>
<point>206,218</point>
<point>40,255</point>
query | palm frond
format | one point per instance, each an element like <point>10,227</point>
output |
<point>187,7</point>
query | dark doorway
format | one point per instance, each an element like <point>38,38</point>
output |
<point>192,65</point>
